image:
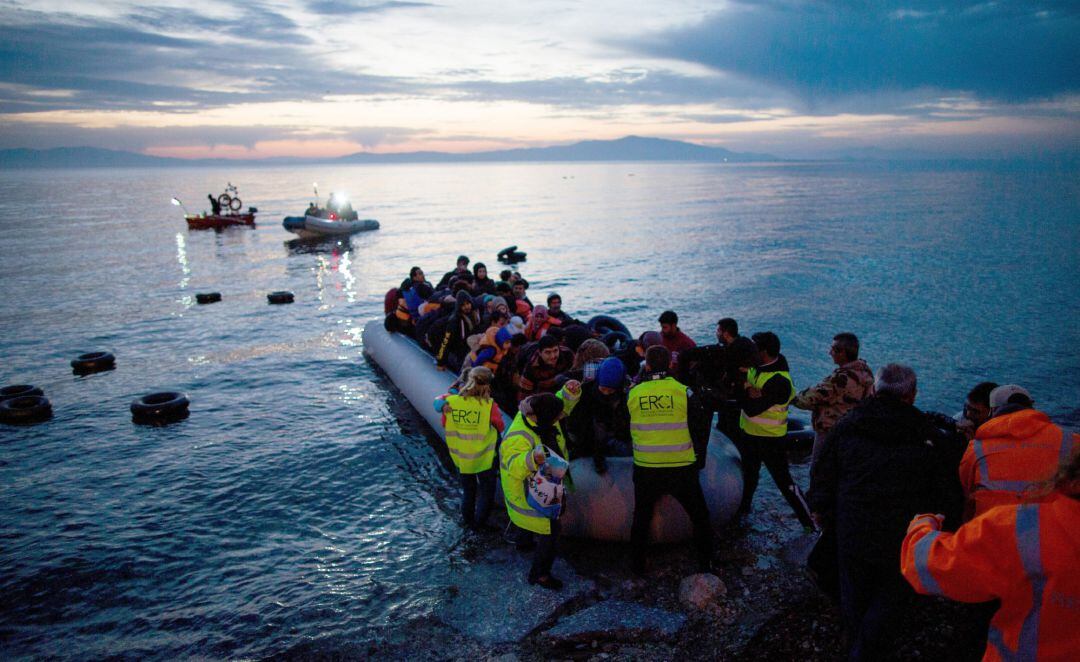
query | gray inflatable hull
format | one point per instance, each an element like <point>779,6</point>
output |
<point>601,507</point>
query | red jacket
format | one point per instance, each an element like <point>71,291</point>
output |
<point>1027,555</point>
<point>1011,454</point>
<point>678,343</point>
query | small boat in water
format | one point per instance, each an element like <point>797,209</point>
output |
<point>313,227</point>
<point>225,212</point>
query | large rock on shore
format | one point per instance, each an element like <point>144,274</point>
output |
<point>701,591</point>
<point>616,620</point>
<point>491,601</point>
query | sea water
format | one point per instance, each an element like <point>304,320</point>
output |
<point>302,507</point>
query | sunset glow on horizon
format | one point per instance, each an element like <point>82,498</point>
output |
<point>322,78</point>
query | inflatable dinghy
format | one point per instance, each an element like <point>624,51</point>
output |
<point>601,507</point>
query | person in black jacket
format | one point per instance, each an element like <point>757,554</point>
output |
<point>599,426</point>
<point>878,469</point>
<point>453,348</point>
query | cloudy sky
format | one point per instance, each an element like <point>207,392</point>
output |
<point>327,77</point>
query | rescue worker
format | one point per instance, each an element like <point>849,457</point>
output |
<point>763,424</point>
<point>520,456</point>
<point>473,422</point>
<point>667,457</point>
<point>1025,554</point>
<point>1013,452</point>
<point>837,394</point>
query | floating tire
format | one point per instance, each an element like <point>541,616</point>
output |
<point>605,324</point>
<point>616,341</point>
<point>225,200</point>
<point>25,410</point>
<point>235,204</point>
<point>280,297</point>
<point>92,362</point>
<point>208,297</point>
<point>18,391</point>
<point>160,408</point>
<point>800,436</point>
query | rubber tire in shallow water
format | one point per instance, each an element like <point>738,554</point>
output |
<point>605,324</point>
<point>616,341</point>
<point>160,408</point>
<point>208,297</point>
<point>280,297</point>
<point>18,391</point>
<point>25,410</point>
<point>92,362</point>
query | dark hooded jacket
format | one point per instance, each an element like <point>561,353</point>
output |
<point>459,326</point>
<point>879,467</point>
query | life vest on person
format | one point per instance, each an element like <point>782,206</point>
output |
<point>401,310</point>
<point>516,464</point>
<point>470,438</point>
<point>1025,555</point>
<point>1010,455</point>
<point>488,341</point>
<point>773,421</point>
<point>412,300</point>
<point>658,424</point>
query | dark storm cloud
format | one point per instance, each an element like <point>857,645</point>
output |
<point>125,65</point>
<point>347,7</point>
<point>1004,51</point>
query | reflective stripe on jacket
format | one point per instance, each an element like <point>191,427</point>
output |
<point>516,464</point>
<point>469,435</point>
<point>658,424</point>
<point>1010,455</point>
<point>1025,555</point>
<point>773,421</point>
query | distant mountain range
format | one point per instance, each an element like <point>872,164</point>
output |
<point>630,148</point>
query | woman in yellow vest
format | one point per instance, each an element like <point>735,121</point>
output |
<point>472,422</point>
<point>522,453</point>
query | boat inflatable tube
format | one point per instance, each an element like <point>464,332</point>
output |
<point>25,410</point>
<point>601,506</point>
<point>506,251</point>
<point>616,341</point>
<point>18,391</point>
<point>293,223</point>
<point>208,297</point>
<point>280,297</point>
<point>86,364</point>
<point>604,324</point>
<point>160,408</point>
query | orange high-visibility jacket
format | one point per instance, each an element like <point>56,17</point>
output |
<point>1011,454</point>
<point>1026,555</point>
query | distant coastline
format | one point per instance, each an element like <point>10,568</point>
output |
<point>627,149</point>
<point>630,148</point>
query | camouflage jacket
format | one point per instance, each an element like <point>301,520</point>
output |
<point>835,395</point>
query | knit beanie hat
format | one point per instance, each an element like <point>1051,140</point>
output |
<point>611,373</point>
<point>545,407</point>
<point>650,338</point>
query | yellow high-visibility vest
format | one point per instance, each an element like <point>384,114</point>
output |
<point>773,421</point>
<point>658,424</point>
<point>469,435</point>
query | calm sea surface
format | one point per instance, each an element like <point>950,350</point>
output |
<point>301,505</point>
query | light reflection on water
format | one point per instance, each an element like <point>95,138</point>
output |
<point>301,500</point>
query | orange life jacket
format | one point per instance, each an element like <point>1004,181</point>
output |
<point>1010,455</point>
<point>488,341</point>
<point>1027,556</point>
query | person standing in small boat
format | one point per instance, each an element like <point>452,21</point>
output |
<point>473,422</point>
<point>215,206</point>
<point>521,456</point>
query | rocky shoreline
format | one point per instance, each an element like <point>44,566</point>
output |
<point>760,605</point>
